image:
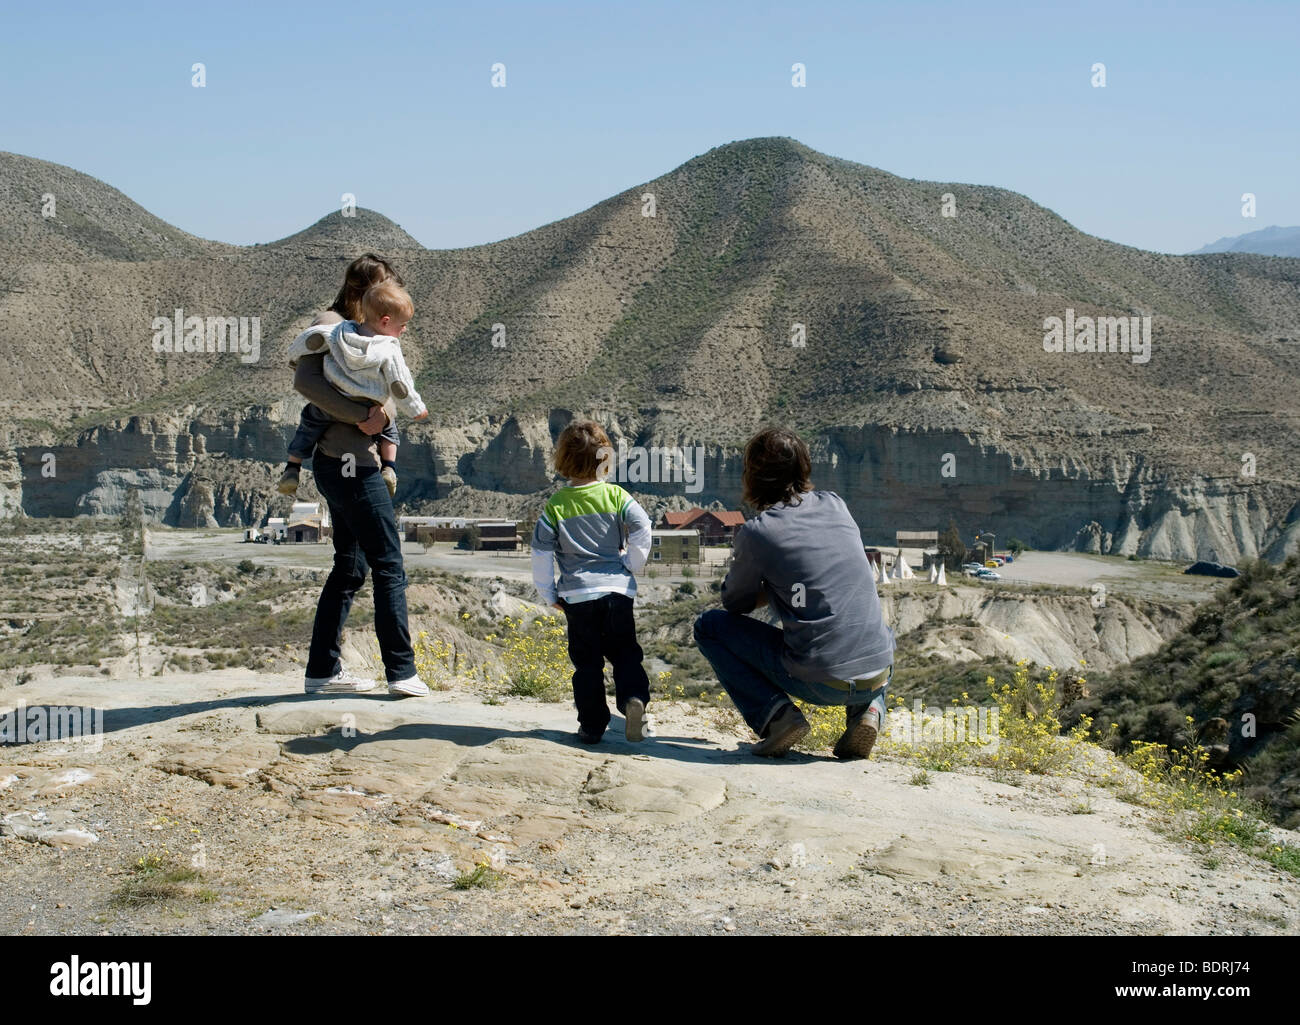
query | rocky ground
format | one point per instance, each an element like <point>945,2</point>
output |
<point>230,802</point>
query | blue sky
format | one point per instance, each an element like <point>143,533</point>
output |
<point>304,102</point>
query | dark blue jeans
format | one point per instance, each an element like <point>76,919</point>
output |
<point>599,629</point>
<point>365,538</point>
<point>746,656</point>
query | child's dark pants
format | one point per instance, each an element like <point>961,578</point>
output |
<point>599,629</point>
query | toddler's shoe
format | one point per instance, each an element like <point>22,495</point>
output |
<point>288,482</point>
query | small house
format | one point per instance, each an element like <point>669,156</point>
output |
<point>675,546</point>
<point>715,527</point>
<point>304,532</point>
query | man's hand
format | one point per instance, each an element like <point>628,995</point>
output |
<point>375,422</point>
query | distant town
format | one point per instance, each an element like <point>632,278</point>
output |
<point>680,537</point>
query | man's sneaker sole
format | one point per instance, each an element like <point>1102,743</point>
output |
<point>858,740</point>
<point>635,715</point>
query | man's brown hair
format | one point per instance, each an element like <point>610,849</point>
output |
<point>362,272</point>
<point>777,469</point>
<point>386,299</point>
<point>578,452</point>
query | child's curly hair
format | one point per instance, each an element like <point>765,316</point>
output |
<point>581,450</point>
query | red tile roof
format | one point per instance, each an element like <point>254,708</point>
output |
<point>679,520</point>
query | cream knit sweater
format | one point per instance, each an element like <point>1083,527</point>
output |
<point>365,367</point>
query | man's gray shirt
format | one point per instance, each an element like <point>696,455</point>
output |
<point>808,557</point>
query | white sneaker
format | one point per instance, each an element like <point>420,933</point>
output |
<point>341,682</point>
<point>411,687</point>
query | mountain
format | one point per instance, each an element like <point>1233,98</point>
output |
<point>1271,241</point>
<point>921,379</point>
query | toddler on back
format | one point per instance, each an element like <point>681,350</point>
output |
<point>363,361</point>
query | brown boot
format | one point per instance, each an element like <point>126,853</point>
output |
<point>786,729</point>
<point>860,732</point>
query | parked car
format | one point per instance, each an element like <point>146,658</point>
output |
<point>990,564</point>
<point>972,566</point>
<point>999,560</point>
<point>989,574</point>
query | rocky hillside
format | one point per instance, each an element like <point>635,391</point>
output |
<point>1235,673</point>
<point>922,340</point>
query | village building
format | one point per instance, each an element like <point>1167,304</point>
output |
<point>308,523</point>
<point>426,529</point>
<point>497,535</point>
<point>675,546</point>
<point>715,527</point>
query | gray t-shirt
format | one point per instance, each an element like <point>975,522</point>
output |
<point>808,557</point>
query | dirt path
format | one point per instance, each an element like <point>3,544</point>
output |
<point>357,815</point>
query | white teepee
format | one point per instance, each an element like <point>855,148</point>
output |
<point>902,571</point>
<point>934,573</point>
<point>942,580</point>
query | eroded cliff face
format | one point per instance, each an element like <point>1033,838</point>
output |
<point>208,468</point>
<point>964,624</point>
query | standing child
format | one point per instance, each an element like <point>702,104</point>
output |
<point>600,537</point>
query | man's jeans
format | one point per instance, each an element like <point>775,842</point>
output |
<point>604,628</point>
<point>365,537</point>
<point>746,657</point>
